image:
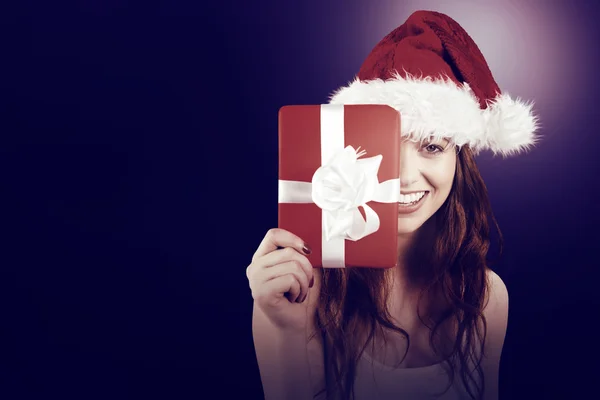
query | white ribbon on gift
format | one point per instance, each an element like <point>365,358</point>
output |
<point>355,183</point>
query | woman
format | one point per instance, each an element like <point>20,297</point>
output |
<point>434,326</point>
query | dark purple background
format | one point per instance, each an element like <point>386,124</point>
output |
<point>139,173</point>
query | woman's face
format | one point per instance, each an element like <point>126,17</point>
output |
<point>426,175</point>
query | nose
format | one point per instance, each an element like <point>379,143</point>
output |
<point>409,165</point>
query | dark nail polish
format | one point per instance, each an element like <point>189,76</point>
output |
<point>306,249</point>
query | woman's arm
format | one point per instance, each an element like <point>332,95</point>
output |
<point>291,366</point>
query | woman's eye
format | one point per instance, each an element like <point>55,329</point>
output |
<point>432,148</point>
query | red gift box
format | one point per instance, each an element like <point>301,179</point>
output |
<point>316,138</point>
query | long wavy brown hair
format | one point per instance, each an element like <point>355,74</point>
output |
<point>353,305</point>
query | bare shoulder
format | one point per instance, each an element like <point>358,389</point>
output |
<point>496,313</point>
<point>496,317</point>
<point>497,299</point>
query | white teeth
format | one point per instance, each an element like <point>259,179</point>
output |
<point>411,198</point>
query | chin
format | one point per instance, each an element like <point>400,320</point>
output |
<point>408,226</point>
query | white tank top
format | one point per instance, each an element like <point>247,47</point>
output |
<point>375,380</point>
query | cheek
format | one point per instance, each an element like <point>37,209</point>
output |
<point>442,175</point>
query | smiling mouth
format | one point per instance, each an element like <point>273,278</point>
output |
<point>413,199</point>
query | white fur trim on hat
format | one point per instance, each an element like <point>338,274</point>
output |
<point>440,108</point>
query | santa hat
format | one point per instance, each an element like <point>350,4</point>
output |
<point>431,71</point>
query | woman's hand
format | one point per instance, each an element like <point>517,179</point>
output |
<point>281,278</point>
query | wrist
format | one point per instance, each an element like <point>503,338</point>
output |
<point>293,340</point>
<point>290,329</point>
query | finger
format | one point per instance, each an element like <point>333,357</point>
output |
<point>276,289</point>
<point>276,238</point>
<point>290,267</point>
<point>293,292</point>
<point>284,255</point>
<point>257,272</point>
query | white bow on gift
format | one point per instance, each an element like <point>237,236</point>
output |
<point>341,185</point>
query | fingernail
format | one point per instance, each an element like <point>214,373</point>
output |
<point>312,282</point>
<point>306,249</point>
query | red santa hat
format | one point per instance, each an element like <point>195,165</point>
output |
<point>432,71</point>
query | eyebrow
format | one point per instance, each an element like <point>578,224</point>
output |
<point>443,141</point>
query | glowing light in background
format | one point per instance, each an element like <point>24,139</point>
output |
<point>524,46</point>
